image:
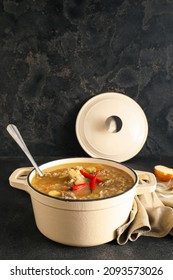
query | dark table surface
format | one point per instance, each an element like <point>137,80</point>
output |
<point>21,240</point>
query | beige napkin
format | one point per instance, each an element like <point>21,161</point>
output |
<point>151,215</point>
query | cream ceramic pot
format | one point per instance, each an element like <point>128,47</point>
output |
<point>76,222</point>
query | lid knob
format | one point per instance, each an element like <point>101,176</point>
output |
<point>113,124</point>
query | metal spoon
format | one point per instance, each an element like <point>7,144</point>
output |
<point>14,132</point>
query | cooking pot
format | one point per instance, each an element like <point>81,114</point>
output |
<point>81,222</point>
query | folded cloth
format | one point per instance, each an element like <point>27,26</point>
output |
<point>151,215</point>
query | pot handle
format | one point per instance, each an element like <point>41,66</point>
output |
<point>147,182</point>
<point>18,178</point>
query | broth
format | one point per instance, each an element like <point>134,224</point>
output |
<point>83,181</point>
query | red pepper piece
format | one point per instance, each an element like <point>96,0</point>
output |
<point>93,182</point>
<point>87,175</point>
<point>80,186</point>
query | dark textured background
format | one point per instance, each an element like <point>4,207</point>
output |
<point>55,55</point>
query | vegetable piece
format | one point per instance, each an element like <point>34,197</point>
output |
<point>80,186</point>
<point>93,182</point>
<point>163,173</point>
<point>89,176</point>
<point>90,169</point>
<point>54,193</point>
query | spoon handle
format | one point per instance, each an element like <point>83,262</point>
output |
<point>14,132</point>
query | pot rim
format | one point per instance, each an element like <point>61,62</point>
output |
<point>84,200</point>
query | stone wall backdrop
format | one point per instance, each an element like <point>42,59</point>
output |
<point>55,55</point>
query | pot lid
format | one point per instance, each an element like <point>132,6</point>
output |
<point>111,126</point>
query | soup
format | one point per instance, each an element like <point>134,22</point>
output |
<point>84,181</point>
